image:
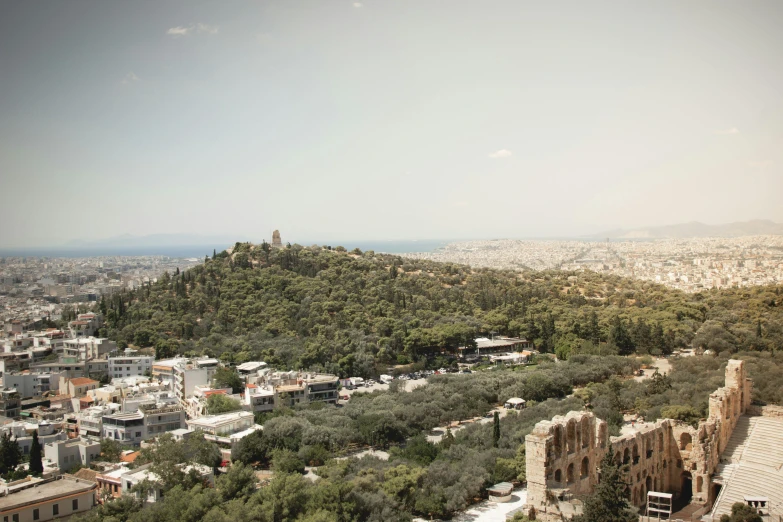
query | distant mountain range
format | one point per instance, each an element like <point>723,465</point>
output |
<point>756,227</point>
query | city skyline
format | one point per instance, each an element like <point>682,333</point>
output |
<point>333,120</point>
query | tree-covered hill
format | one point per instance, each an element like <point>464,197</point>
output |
<point>354,313</point>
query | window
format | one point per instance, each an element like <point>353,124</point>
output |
<point>75,504</point>
<point>56,509</point>
<point>15,517</point>
<point>36,514</point>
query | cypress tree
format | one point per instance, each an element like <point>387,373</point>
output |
<point>609,502</point>
<point>496,430</point>
<point>36,463</point>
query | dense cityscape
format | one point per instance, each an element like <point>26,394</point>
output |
<point>692,264</point>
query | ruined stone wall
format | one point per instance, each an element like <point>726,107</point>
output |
<point>563,454</point>
<point>566,452</point>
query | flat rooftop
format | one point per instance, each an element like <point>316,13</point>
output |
<point>43,492</point>
<point>217,420</point>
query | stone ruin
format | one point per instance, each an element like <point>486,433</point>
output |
<point>564,454</point>
<point>276,241</point>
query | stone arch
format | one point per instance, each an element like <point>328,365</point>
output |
<point>664,464</point>
<point>686,441</point>
<point>626,456</point>
<point>585,432</point>
<point>618,458</point>
<point>571,436</point>
<point>699,484</point>
<point>558,476</point>
<point>558,440</point>
<point>585,471</point>
<point>570,474</point>
<point>635,453</point>
<point>649,484</point>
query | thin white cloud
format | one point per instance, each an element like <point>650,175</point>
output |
<point>727,132</point>
<point>178,31</point>
<point>130,78</point>
<point>760,164</point>
<point>209,29</point>
<point>358,5</point>
<point>502,153</point>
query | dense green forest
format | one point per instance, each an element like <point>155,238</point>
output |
<point>354,313</point>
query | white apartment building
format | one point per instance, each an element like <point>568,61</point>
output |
<point>22,433</point>
<point>188,375</point>
<point>66,454</point>
<point>130,366</point>
<point>32,384</point>
<point>226,428</point>
<point>147,422</point>
<point>143,473</point>
<point>86,348</point>
<point>39,500</point>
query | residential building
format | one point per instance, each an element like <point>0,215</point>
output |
<point>188,375</point>
<point>77,387</point>
<point>111,481</point>
<point>163,370</point>
<point>22,433</point>
<point>74,368</point>
<point>36,500</point>
<point>66,454</point>
<point>158,419</point>
<point>86,348</point>
<point>10,403</point>
<point>127,428</point>
<point>143,473</point>
<point>129,366</point>
<point>149,421</point>
<point>258,399</point>
<point>226,428</point>
<point>85,325</point>
<point>32,384</point>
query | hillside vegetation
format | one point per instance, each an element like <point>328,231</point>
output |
<point>355,313</point>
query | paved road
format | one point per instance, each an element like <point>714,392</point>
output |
<point>409,385</point>
<point>437,434</point>
<point>662,364</point>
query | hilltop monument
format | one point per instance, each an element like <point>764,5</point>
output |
<point>276,241</point>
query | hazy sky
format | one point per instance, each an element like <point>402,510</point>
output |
<point>386,119</point>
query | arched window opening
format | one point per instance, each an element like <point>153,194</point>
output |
<point>558,476</point>
<point>585,468</point>
<point>626,456</point>
<point>635,454</point>
<point>585,432</point>
<point>570,474</point>
<point>558,442</point>
<point>571,436</point>
<point>686,441</point>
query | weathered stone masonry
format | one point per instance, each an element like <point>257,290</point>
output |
<point>563,454</point>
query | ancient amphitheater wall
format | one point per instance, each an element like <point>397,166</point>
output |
<point>564,454</point>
